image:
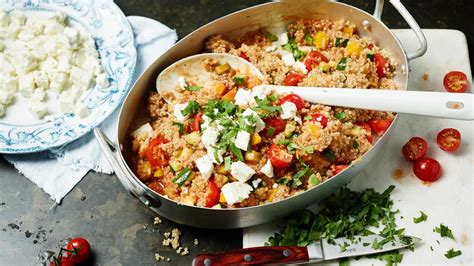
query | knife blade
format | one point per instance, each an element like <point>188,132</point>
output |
<point>315,252</point>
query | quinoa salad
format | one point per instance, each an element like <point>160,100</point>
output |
<point>229,145</point>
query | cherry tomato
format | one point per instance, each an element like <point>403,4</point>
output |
<point>337,168</point>
<point>379,126</point>
<point>368,131</point>
<point>79,250</point>
<point>449,139</point>
<point>62,261</point>
<point>427,169</point>
<point>213,194</point>
<point>244,56</point>
<point>313,59</point>
<point>414,149</point>
<point>296,99</point>
<point>381,63</point>
<point>320,118</point>
<point>197,122</point>
<point>370,46</point>
<point>276,123</point>
<point>155,155</point>
<point>455,81</point>
<point>293,79</point>
<point>279,156</point>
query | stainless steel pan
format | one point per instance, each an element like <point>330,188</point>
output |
<point>133,112</point>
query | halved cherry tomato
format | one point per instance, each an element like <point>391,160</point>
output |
<point>313,59</point>
<point>296,99</point>
<point>213,194</point>
<point>368,131</point>
<point>155,155</point>
<point>244,56</point>
<point>320,118</point>
<point>279,156</point>
<point>79,250</point>
<point>455,81</point>
<point>197,122</point>
<point>381,63</point>
<point>293,79</point>
<point>414,149</point>
<point>379,126</point>
<point>427,169</point>
<point>276,123</point>
<point>337,168</point>
<point>62,261</point>
<point>449,139</point>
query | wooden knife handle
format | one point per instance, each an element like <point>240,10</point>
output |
<point>252,256</point>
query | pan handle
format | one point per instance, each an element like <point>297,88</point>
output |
<point>411,22</point>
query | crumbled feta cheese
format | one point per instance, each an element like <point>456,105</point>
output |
<point>205,166</point>
<point>66,102</point>
<point>102,80</point>
<point>209,136</point>
<point>80,77</point>
<point>241,97</point>
<point>26,85</point>
<point>242,140</point>
<point>182,82</point>
<point>39,109</point>
<point>272,48</point>
<point>9,83</point>
<point>236,192</point>
<point>64,64</point>
<point>177,111</point>
<point>144,131</point>
<point>259,124</point>
<point>38,95</point>
<point>81,110</point>
<point>4,19</point>
<point>256,182</point>
<point>260,93</point>
<point>282,39</point>
<point>41,79</point>
<point>288,59</point>
<point>288,110</point>
<point>6,97</point>
<point>300,67</point>
<point>25,64</point>
<point>26,35</point>
<point>241,171</point>
<point>267,169</point>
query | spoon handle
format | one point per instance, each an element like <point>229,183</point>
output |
<point>437,104</point>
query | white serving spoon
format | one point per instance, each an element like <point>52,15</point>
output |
<point>437,104</point>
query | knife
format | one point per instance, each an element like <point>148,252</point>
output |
<point>316,252</point>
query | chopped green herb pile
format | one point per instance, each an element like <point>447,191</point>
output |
<point>452,253</point>
<point>346,214</point>
<point>444,231</point>
<point>423,217</point>
<point>292,47</point>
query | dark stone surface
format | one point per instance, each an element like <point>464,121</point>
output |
<point>120,228</point>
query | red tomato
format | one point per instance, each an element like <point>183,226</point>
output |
<point>244,56</point>
<point>79,250</point>
<point>276,123</point>
<point>320,118</point>
<point>337,168</point>
<point>61,261</point>
<point>293,79</point>
<point>279,156</point>
<point>213,194</point>
<point>370,46</point>
<point>381,63</point>
<point>368,131</point>
<point>155,155</point>
<point>449,139</point>
<point>414,149</point>
<point>455,81</point>
<point>427,169</point>
<point>197,122</point>
<point>379,126</point>
<point>296,99</point>
<point>313,59</point>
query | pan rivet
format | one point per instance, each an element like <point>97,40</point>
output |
<point>286,253</point>
<point>247,257</point>
<point>366,24</point>
<point>208,262</point>
<point>147,203</point>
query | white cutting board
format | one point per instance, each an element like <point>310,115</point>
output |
<point>450,199</point>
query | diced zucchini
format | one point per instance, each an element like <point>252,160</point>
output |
<point>221,69</point>
<point>193,138</point>
<point>289,129</point>
<point>185,154</point>
<point>176,165</point>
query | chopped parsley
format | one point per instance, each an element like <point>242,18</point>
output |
<point>340,115</point>
<point>452,253</point>
<point>265,108</point>
<point>297,177</point>
<point>182,176</point>
<point>180,126</point>
<point>224,109</point>
<point>308,117</point>
<point>270,37</point>
<point>192,88</point>
<point>236,151</point>
<point>192,108</point>
<point>313,180</point>
<point>283,142</point>
<point>292,47</point>
<point>371,57</point>
<point>444,231</point>
<point>282,181</point>
<point>341,42</point>
<point>423,217</point>
<point>239,80</point>
<point>308,39</point>
<point>341,66</point>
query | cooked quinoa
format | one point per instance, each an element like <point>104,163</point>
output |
<point>230,146</point>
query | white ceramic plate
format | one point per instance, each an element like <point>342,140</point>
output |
<point>19,131</point>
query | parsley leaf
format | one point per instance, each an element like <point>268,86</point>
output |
<point>239,80</point>
<point>341,42</point>
<point>192,108</point>
<point>264,107</point>
<point>423,217</point>
<point>355,144</point>
<point>444,231</point>
<point>182,176</point>
<point>292,47</point>
<point>297,177</point>
<point>452,253</point>
<point>180,126</point>
<point>236,151</point>
<point>270,37</point>
<point>340,115</point>
<point>192,88</point>
<point>341,66</point>
<point>308,39</point>
<point>371,57</point>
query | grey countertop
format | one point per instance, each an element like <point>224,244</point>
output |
<point>120,228</point>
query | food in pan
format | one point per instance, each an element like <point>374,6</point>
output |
<point>48,62</point>
<point>228,146</point>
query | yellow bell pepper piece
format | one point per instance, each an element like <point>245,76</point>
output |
<point>158,173</point>
<point>222,198</point>
<point>320,40</point>
<point>220,88</point>
<point>221,169</point>
<point>353,48</point>
<point>314,130</point>
<point>348,30</point>
<point>271,195</point>
<point>221,69</point>
<point>255,139</point>
<point>325,67</point>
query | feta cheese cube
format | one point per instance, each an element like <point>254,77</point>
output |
<point>38,95</point>
<point>177,111</point>
<point>64,64</point>
<point>102,80</point>
<point>242,140</point>
<point>4,19</point>
<point>79,58</point>
<point>236,192</point>
<point>145,131</point>
<point>73,35</point>
<point>241,171</point>
<point>66,102</point>
<point>306,49</point>
<point>205,166</point>
<point>288,110</point>
<point>41,79</point>
<point>25,64</point>
<point>49,65</point>
<point>259,124</point>
<point>256,182</point>
<point>267,169</point>
<point>6,97</point>
<point>26,35</point>
<point>58,17</point>
<point>8,83</point>
<point>300,67</point>
<point>241,97</point>
<point>282,39</point>
<point>53,27</point>
<point>209,136</point>
<point>51,46</point>
<point>26,85</point>
<point>36,26</point>
<point>80,77</point>
<point>39,109</point>
<point>288,59</point>
<point>58,80</point>
<point>17,17</point>
<point>182,82</point>
<point>81,110</point>
<point>260,93</point>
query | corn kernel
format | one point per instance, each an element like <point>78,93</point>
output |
<point>320,40</point>
<point>158,173</point>
<point>222,198</point>
<point>314,130</point>
<point>255,139</point>
<point>271,195</point>
<point>348,30</point>
<point>353,48</point>
<point>220,88</point>
<point>221,69</point>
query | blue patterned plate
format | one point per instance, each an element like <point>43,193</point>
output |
<point>114,40</point>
